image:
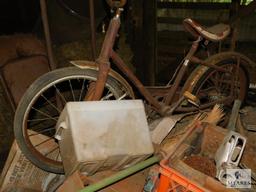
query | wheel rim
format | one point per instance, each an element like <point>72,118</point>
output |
<point>44,109</point>
<point>217,85</point>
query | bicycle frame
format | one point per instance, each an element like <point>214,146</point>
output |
<point>107,52</point>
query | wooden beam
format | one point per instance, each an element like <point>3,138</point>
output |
<point>205,6</point>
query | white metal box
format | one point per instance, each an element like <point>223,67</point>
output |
<point>100,135</point>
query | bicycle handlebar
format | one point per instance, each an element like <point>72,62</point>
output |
<point>116,3</point>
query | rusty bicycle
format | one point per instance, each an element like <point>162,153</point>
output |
<point>221,78</point>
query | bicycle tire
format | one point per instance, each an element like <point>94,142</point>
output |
<point>33,95</point>
<point>202,73</point>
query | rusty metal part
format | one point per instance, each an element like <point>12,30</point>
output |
<point>201,62</point>
<point>47,34</point>
<point>109,41</point>
<point>92,24</point>
<point>191,98</point>
<point>122,66</point>
<point>93,66</point>
<point>160,92</point>
<point>103,59</point>
<point>116,3</point>
<point>90,93</point>
<point>198,72</point>
<point>104,69</point>
<point>225,101</point>
<point>193,49</point>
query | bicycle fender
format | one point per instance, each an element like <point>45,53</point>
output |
<point>200,70</point>
<point>83,64</point>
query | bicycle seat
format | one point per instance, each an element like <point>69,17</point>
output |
<point>215,33</point>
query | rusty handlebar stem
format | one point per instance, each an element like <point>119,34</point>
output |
<point>116,3</point>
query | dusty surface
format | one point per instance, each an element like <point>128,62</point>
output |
<point>202,164</point>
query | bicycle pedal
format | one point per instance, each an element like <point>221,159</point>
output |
<point>191,98</point>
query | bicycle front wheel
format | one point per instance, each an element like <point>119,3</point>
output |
<point>41,105</point>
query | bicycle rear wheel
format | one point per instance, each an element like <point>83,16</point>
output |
<point>41,105</point>
<point>212,86</point>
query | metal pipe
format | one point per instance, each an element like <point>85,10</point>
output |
<point>103,60</point>
<point>201,62</point>
<point>47,34</point>
<point>92,24</point>
<point>171,94</point>
<point>109,40</point>
<point>147,95</point>
<point>121,175</point>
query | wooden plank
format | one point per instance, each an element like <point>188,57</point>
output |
<point>205,6</point>
<point>72,183</point>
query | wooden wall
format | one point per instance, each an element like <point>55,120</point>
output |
<point>171,41</point>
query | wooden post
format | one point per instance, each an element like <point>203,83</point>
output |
<point>144,39</point>
<point>136,37</point>
<point>235,4</point>
<point>149,40</point>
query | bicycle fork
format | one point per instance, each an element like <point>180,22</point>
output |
<point>96,89</point>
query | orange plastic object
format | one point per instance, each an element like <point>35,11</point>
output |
<point>173,181</point>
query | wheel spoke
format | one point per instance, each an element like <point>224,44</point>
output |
<point>57,157</point>
<point>51,151</point>
<point>50,103</point>
<point>82,90</point>
<point>45,141</point>
<point>45,114</point>
<point>107,96</point>
<point>43,131</point>
<point>73,95</point>
<point>61,96</point>
<point>42,119</point>
<point>123,96</point>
